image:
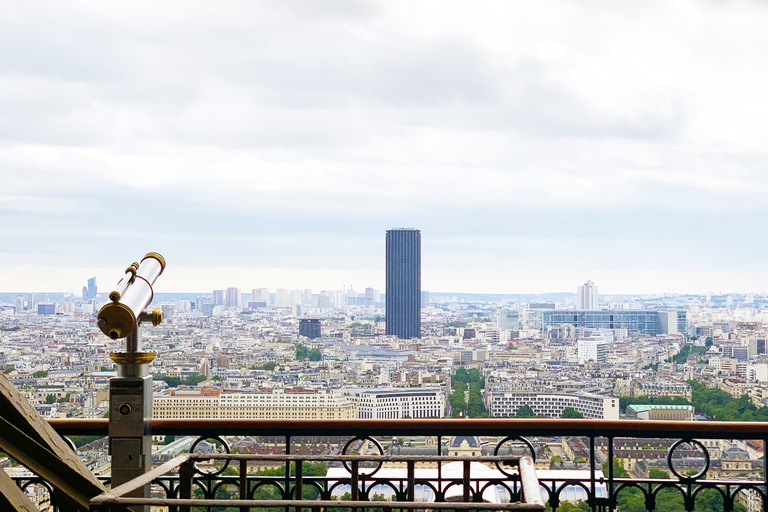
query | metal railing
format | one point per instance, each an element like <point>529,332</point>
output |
<point>689,477</point>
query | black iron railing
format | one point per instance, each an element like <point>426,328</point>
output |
<point>614,474</point>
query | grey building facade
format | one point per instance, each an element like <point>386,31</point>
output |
<point>403,295</point>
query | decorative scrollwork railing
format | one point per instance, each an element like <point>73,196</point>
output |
<point>693,467</point>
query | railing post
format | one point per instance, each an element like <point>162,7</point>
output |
<point>287,481</point>
<point>592,476</point>
<point>765,474</point>
<point>355,482</point>
<point>466,481</point>
<point>411,481</point>
<point>186,471</point>
<point>299,482</point>
<point>610,486</point>
<point>244,483</point>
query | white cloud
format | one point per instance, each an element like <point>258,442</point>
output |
<point>553,128</point>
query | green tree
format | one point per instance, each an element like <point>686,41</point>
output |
<point>570,412</point>
<point>475,405</point>
<point>314,355</point>
<point>10,368</point>
<point>40,374</point>
<point>49,399</point>
<point>525,411</point>
<point>301,352</point>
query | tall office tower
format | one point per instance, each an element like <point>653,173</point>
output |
<point>282,298</point>
<point>260,295</point>
<point>218,297</point>
<point>19,304</point>
<point>31,301</point>
<point>403,295</point>
<point>233,297</point>
<point>92,288</point>
<point>369,297</point>
<point>295,297</point>
<point>306,296</point>
<point>586,296</point>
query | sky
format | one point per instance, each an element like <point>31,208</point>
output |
<point>271,144</point>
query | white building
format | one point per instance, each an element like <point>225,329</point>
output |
<point>208,403</point>
<point>586,296</point>
<point>282,298</point>
<point>260,295</point>
<point>506,404</point>
<point>233,297</point>
<point>395,403</point>
<point>592,348</point>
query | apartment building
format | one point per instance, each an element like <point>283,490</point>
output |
<point>394,403</point>
<point>506,404</point>
<point>289,403</point>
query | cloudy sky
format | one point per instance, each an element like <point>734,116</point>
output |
<point>271,144</point>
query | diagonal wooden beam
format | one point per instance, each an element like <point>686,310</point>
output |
<point>29,439</point>
<point>19,412</point>
<point>12,498</point>
<point>45,464</point>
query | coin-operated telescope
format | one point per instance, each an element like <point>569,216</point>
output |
<point>120,317</point>
<point>130,393</point>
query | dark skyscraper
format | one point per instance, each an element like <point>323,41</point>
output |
<point>404,283</point>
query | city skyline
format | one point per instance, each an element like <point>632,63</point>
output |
<point>535,146</point>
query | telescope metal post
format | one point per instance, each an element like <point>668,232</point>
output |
<point>130,412</point>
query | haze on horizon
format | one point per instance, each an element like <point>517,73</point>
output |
<point>271,145</point>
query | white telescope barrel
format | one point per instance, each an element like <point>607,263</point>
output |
<point>119,319</point>
<point>130,274</point>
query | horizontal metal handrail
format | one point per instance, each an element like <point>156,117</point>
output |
<point>435,427</point>
<point>530,489</point>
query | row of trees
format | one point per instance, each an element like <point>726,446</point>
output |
<point>466,399</point>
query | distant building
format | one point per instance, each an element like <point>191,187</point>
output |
<point>89,292</point>
<point>46,309</point>
<point>592,349</point>
<point>233,297</point>
<point>19,304</point>
<point>289,403</point>
<point>260,295</point>
<point>642,321</point>
<point>395,403</point>
<point>551,405</point>
<point>403,279</point>
<point>309,327</point>
<point>660,412</point>
<point>282,298</point>
<point>586,296</point>
<point>218,297</point>
<point>371,296</point>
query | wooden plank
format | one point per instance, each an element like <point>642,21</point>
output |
<point>35,444</point>
<point>19,412</point>
<point>11,497</point>
<point>142,480</point>
<point>45,464</point>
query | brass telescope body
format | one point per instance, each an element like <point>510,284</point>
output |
<point>120,317</point>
